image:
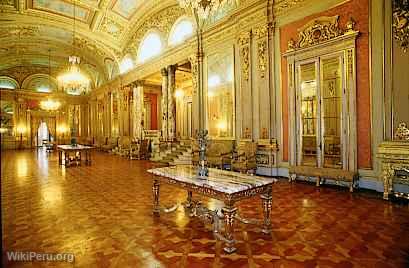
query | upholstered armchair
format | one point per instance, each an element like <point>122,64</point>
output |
<point>139,150</point>
<point>245,160</point>
<point>124,145</point>
<point>111,144</point>
<point>219,153</point>
<point>99,142</point>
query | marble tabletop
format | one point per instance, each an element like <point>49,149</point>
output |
<point>220,180</point>
<point>71,147</point>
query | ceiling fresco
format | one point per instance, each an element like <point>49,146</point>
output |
<point>63,8</point>
<point>126,8</point>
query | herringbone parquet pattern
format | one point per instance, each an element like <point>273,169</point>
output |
<point>102,214</point>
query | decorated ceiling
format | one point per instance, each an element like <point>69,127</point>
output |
<point>37,33</point>
<point>36,36</point>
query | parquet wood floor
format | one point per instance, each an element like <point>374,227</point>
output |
<point>102,214</point>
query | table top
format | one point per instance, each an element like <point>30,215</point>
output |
<point>71,147</point>
<point>223,181</point>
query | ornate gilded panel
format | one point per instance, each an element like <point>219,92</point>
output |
<point>401,23</point>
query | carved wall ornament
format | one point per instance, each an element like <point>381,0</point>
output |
<point>83,43</point>
<point>264,133</point>
<point>247,133</point>
<point>402,132</point>
<point>261,32</point>
<point>350,62</point>
<point>245,61</point>
<point>111,27</point>
<point>262,57</point>
<point>318,30</point>
<point>291,44</point>
<point>350,26</point>
<point>244,38</point>
<point>195,70</point>
<point>401,23</point>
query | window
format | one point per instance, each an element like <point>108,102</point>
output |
<point>126,65</point>
<point>8,83</point>
<point>182,30</point>
<point>150,46</point>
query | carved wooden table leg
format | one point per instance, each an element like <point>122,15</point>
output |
<point>267,201</point>
<point>387,180</point>
<point>318,181</point>
<point>155,191</point>
<point>60,157</point>
<point>229,213</point>
<point>189,201</point>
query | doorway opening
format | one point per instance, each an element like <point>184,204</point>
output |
<point>43,135</point>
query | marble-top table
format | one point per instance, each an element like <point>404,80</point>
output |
<point>76,150</point>
<point>223,185</point>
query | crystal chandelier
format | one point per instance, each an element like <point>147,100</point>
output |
<point>74,82</point>
<point>202,8</point>
<point>50,105</point>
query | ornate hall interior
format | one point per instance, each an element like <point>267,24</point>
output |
<point>204,133</point>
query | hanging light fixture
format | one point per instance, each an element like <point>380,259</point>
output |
<point>203,8</point>
<point>74,82</point>
<point>50,104</point>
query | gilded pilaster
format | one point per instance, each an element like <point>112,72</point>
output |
<point>164,103</point>
<point>246,108</point>
<point>171,102</point>
<point>139,115</point>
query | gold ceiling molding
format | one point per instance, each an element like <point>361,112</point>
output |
<point>283,6</point>
<point>111,27</point>
<point>19,31</point>
<point>8,3</point>
<point>319,30</point>
<point>163,21</point>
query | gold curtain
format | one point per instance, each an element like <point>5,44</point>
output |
<point>51,125</point>
<point>35,124</point>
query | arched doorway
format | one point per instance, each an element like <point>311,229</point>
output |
<point>43,134</point>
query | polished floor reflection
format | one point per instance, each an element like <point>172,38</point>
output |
<point>102,214</point>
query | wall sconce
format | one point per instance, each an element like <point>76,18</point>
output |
<point>179,93</point>
<point>222,125</point>
<point>21,129</point>
<point>3,130</point>
<point>62,129</point>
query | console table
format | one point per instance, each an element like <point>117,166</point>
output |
<point>223,185</point>
<point>394,156</point>
<point>77,150</point>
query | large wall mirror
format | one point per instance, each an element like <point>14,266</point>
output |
<point>220,94</point>
<point>6,118</point>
